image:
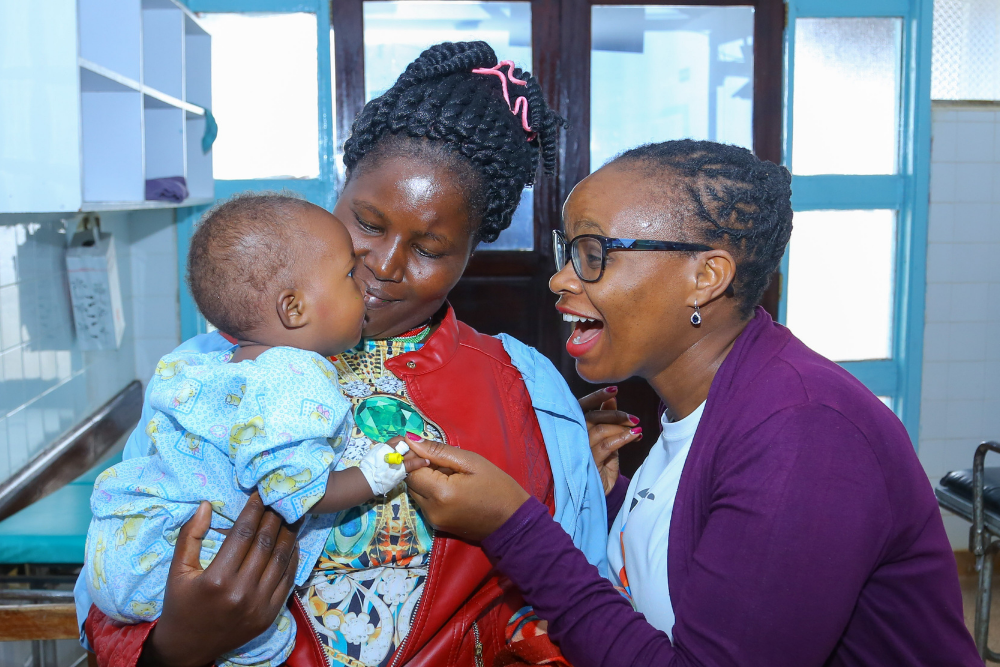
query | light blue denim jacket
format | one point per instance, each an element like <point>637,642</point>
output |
<point>580,505</point>
<point>579,494</point>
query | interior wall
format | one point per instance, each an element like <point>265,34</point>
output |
<point>155,288</point>
<point>47,384</point>
<point>960,402</point>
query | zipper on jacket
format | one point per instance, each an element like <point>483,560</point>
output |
<point>479,645</point>
<point>319,640</point>
<point>416,608</point>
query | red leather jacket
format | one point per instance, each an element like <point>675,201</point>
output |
<point>465,383</point>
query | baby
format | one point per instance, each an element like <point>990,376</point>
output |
<point>275,274</point>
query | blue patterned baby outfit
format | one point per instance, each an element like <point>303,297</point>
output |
<point>277,424</point>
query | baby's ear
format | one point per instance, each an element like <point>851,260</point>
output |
<point>292,309</point>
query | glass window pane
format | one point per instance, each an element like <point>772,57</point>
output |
<point>846,100</point>
<point>397,32</point>
<point>840,282</point>
<point>265,95</point>
<point>966,50</point>
<point>669,72</point>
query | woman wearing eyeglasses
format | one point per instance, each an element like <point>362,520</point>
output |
<point>782,518</point>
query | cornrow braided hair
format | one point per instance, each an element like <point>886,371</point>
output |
<point>440,99</point>
<point>737,200</point>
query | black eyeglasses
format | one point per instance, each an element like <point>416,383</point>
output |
<point>589,252</point>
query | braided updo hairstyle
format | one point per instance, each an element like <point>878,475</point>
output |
<point>464,117</point>
<point>736,200</point>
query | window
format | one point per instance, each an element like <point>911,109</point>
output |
<point>395,33</point>
<point>264,92</point>
<point>966,50</point>
<point>857,141</point>
<point>840,282</point>
<point>687,72</point>
<point>846,101</point>
<point>272,98</point>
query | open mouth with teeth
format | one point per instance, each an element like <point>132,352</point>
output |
<point>586,332</point>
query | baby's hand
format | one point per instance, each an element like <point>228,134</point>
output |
<point>386,465</point>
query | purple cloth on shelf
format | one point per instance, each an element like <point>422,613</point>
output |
<point>172,189</point>
<point>804,533</point>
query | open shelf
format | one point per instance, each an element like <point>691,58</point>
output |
<point>164,139</point>
<point>110,32</point>
<point>102,206</point>
<point>198,90</point>
<point>97,79</point>
<point>163,47</point>
<point>133,115</point>
<point>197,64</point>
<point>145,122</point>
<point>111,137</point>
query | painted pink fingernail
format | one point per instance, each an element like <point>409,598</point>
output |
<point>636,431</point>
<point>612,389</point>
<point>413,437</point>
<point>633,419</point>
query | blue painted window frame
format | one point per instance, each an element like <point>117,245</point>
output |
<point>322,191</point>
<point>907,192</point>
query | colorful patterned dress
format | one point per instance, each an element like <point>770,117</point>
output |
<point>365,589</point>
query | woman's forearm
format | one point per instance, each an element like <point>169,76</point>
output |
<point>589,620</point>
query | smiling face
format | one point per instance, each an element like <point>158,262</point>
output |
<point>410,222</point>
<point>637,316</point>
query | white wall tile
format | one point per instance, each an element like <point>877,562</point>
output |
<point>155,289</point>
<point>973,182</point>
<point>935,381</point>
<point>941,222</point>
<point>156,317</point>
<point>993,341</point>
<point>968,301</point>
<point>974,142</point>
<point>966,343</point>
<point>938,302</point>
<point>973,262</point>
<point>993,228</point>
<point>971,221</point>
<point>943,456</point>
<point>943,115</point>
<point>939,263</point>
<point>960,406</point>
<point>943,182</point>
<point>966,380</point>
<point>991,306</point>
<point>936,341</point>
<point>957,529</point>
<point>964,419</point>
<point>944,141</point>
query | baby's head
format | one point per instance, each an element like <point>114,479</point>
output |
<point>276,270</point>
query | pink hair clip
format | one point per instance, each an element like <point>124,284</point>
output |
<point>520,106</point>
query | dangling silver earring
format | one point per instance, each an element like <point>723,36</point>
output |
<point>696,315</point>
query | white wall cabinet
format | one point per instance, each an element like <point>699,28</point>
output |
<point>96,97</point>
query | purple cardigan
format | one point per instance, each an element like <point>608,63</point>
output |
<point>804,532</point>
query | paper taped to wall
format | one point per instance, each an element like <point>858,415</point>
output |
<point>95,291</point>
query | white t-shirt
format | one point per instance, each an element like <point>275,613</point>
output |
<point>646,517</point>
